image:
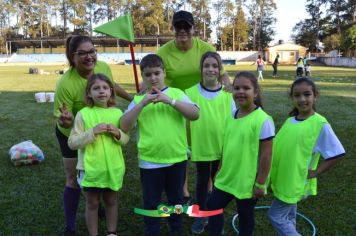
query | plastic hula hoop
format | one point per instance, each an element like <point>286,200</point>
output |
<point>234,219</point>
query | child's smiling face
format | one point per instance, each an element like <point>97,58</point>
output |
<point>243,92</point>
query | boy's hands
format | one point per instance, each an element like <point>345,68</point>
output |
<point>160,97</point>
<point>66,118</point>
<point>155,95</point>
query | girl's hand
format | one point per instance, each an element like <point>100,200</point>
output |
<point>111,129</point>
<point>161,97</point>
<point>312,174</point>
<point>258,192</point>
<point>100,128</point>
<point>66,118</point>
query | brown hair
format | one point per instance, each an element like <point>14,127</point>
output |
<point>151,60</point>
<point>251,77</point>
<point>88,100</point>
<point>72,44</point>
<point>298,81</point>
<point>214,55</point>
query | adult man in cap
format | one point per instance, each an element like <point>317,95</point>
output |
<point>181,56</point>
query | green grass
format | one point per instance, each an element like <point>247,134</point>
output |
<point>31,196</point>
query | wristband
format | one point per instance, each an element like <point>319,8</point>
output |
<point>173,102</point>
<point>260,186</point>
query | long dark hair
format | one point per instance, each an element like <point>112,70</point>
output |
<point>298,81</point>
<point>251,77</point>
<point>88,100</point>
<point>214,55</point>
<point>72,44</point>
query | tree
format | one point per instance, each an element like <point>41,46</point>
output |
<point>200,11</point>
<point>349,41</point>
<point>241,28</point>
<point>262,23</point>
<point>332,42</point>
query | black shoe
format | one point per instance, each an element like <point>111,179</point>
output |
<point>68,232</point>
<point>187,200</point>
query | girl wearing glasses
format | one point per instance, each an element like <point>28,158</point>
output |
<point>69,99</point>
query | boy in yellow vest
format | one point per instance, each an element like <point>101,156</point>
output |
<point>161,116</point>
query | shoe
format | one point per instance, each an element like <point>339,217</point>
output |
<point>68,232</point>
<point>187,200</point>
<point>199,225</point>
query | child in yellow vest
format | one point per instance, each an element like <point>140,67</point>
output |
<point>206,133</point>
<point>97,137</point>
<point>246,160</point>
<point>161,116</point>
<point>297,147</point>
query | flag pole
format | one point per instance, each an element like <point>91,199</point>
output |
<point>134,67</point>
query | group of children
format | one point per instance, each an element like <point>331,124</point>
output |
<point>232,141</point>
<point>303,64</point>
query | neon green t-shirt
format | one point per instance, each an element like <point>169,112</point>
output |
<point>162,131</point>
<point>70,89</point>
<point>241,154</point>
<point>183,67</point>
<point>104,164</point>
<point>292,158</point>
<point>207,132</point>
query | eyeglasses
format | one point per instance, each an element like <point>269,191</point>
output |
<point>84,54</point>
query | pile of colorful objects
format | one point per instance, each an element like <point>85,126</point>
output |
<point>26,153</point>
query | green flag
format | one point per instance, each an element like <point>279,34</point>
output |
<point>121,28</point>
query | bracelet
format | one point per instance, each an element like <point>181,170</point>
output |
<point>173,102</point>
<point>260,186</point>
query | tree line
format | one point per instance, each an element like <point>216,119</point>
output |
<point>239,24</point>
<point>330,22</point>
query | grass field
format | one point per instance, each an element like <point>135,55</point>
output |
<point>31,196</point>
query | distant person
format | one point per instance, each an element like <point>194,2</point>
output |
<point>300,67</point>
<point>101,165</point>
<point>160,115</point>
<point>260,62</point>
<point>181,57</point>
<point>302,139</point>
<point>275,66</point>
<point>206,133</point>
<point>69,99</point>
<point>305,62</point>
<point>308,70</point>
<point>246,161</point>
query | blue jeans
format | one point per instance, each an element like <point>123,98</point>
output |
<point>283,218</point>
<point>245,208</point>
<point>154,181</point>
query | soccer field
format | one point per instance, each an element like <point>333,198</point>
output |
<point>31,196</point>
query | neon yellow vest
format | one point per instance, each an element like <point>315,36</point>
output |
<point>292,156</point>
<point>207,133</point>
<point>162,131</point>
<point>103,160</point>
<point>241,154</point>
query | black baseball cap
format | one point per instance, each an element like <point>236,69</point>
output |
<point>183,16</point>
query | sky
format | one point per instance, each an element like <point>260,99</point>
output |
<point>288,13</point>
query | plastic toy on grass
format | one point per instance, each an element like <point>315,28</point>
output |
<point>25,153</point>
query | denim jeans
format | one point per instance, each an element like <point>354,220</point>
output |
<point>154,181</point>
<point>283,218</point>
